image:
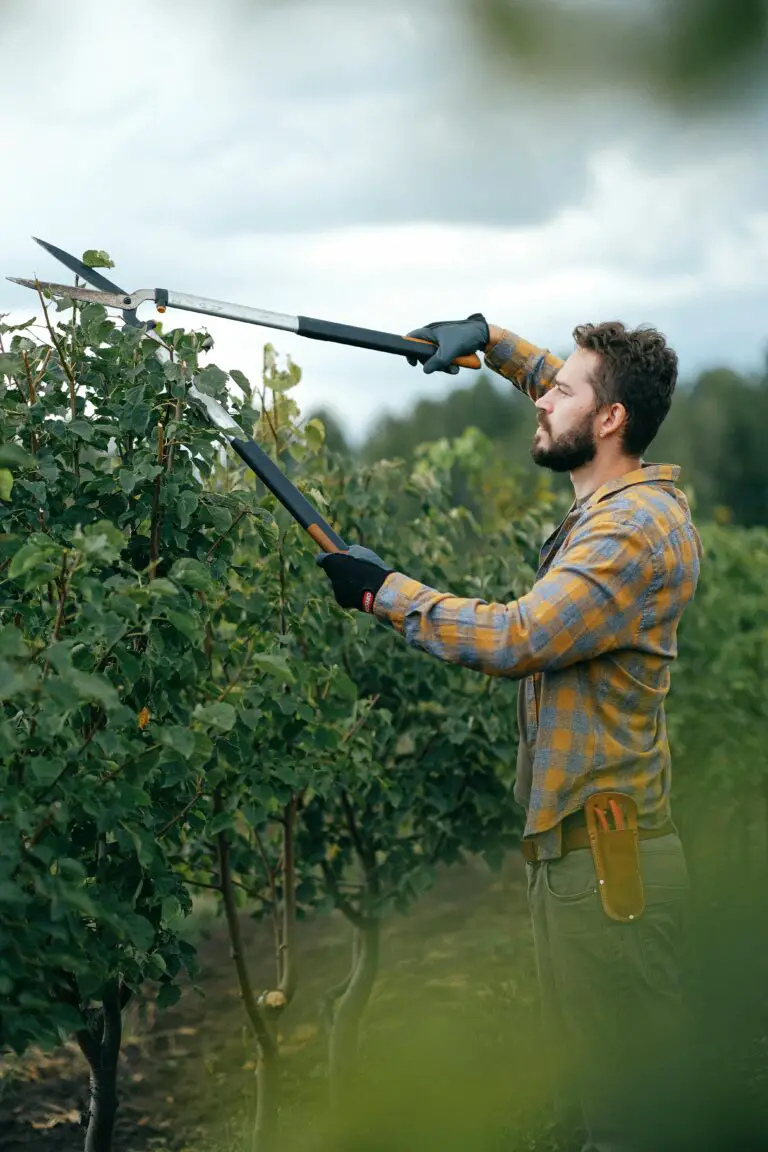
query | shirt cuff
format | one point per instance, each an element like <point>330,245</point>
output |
<point>393,598</point>
<point>502,352</point>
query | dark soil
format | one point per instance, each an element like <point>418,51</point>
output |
<point>187,1073</point>
<point>449,1038</point>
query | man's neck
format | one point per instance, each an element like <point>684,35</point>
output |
<point>592,476</point>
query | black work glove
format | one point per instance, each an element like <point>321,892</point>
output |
<point>356,576</point>
<point>453,338</point>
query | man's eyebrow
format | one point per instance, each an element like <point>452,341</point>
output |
<point>563,383</point>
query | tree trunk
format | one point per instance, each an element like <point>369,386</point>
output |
<point>103,1110</point>
<point>102,1050</point>
<point>268,1070</point>
<point>343,1045</point>
<point>267,1100</point>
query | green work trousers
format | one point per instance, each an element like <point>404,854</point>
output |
<point>613,1013</point>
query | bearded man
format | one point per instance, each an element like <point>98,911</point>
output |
<point>591,646</point>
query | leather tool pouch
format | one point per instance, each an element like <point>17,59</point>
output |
<point>614,840</point>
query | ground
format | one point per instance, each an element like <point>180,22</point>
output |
<point>449,1046</point>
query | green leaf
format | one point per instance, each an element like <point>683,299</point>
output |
<point>191,573</point>
<point>45,769</point>
<point>220,715</point>
<point>241,380</point>
<point>219,518</point>
<point>11,893</point>
<point>139,929</point>
<point>168,995</point>
<point>6,484</point>
<point>185,622</point>
<point>211,381</point>
<point>97,258</point>
<point>283,381</point>
<point>81,428</point>
<point>276,666</point>
<point>266,528</point>
<point>182,740</point>
<point>220,823</point>
<point>186,506</point>
<point>14,456</point>
<point>127,480</point>
<point>12,641</point>
<point>172,371</point>
<point>162,587</point>
<point>96,689</point>
<point>40,557</point>
<point>314,430</point>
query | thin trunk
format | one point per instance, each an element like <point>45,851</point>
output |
<point>343,1046</point>
<point>101,1047</point>
<point>267,1074</point>
<point>333,995</point>
<point>287,973</point>
<point>267,1101</point>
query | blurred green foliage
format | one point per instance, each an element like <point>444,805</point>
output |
<point>715,431</point>
<point>686,54</point>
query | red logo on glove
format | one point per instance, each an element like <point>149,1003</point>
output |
<point>368,599</point>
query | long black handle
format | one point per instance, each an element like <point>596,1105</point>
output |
<point>288,495</point>
<point>373,340</point>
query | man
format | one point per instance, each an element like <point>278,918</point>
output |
<point>591,645</point>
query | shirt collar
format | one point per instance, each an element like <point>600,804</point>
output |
<point>645,474</point>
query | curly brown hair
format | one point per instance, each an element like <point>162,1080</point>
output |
<point>637,369</point>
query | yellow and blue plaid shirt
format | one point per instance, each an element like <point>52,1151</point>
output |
<point>593,640</point>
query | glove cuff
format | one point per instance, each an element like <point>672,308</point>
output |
<point>479,316</point>
<point>373,584</point>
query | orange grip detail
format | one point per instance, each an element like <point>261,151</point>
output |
<point>471,361</point>
<point>320,538</point>
<point>618,815</point>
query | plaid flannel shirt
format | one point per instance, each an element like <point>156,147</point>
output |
<point>593,640</point>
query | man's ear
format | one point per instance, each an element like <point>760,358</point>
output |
<point>614,418</point>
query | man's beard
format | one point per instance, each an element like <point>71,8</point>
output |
<point>571,451</point>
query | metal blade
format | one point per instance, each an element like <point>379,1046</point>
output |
<point>90,295</point>
<point>90,275</point>
<point>216,413</point>
<point>82,270</point>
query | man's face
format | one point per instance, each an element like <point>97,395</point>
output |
<point>565,439</point>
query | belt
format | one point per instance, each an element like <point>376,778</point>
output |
<point>575,835</point>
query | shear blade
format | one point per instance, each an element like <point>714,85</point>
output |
<point>90,275</point>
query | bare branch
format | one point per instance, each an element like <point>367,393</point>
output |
<point>289,975</point>
<point>262,1033</point>
<point>187,807</point>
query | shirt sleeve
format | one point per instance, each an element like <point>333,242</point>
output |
<point>591,601</point>
<point>532,370</point>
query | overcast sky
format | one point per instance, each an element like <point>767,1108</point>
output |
<point>363,163</point>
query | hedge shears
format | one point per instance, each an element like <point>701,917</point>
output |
<point>247,449</point>
<point>107,294</point>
